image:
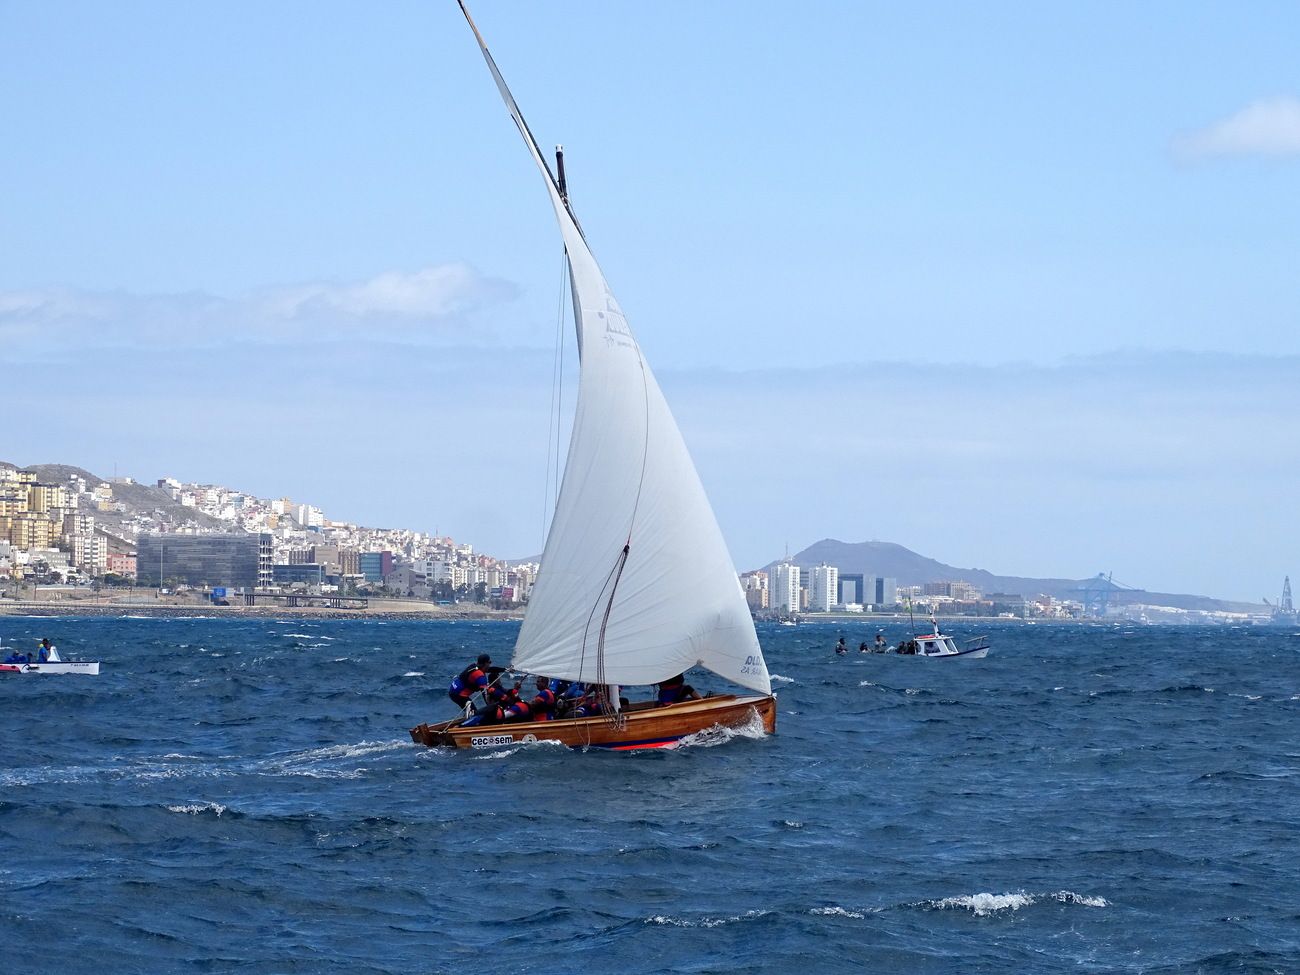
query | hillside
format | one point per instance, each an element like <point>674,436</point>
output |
<point>139,499</point>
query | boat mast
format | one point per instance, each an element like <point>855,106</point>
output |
<point>560,181</point>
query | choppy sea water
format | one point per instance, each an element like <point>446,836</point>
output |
<point>243,796</point>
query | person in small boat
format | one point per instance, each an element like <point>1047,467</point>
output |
<point>569,699</point>
<point>540,708</point>
<point>675,690</point>
<point>841,647</point>
<point>470,681</point>
<point>43,654</point>
<point>498,700</point>
<point>592,703</point>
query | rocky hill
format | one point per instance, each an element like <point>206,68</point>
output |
<point>140,500</point>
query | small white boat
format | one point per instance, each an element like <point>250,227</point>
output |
<point>87,667</point>
<point>939,644</point>
<point>54,664</point>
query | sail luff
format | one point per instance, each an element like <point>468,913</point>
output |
<point>512,106</point>
<point>636,583</point>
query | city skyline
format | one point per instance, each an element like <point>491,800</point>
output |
<point>1028,299</point>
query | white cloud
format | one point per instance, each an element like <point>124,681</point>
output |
<point>420,306</point>
<point>1268,127</point>
<point>431,293</point>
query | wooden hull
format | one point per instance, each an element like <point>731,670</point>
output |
<point>643,725</point>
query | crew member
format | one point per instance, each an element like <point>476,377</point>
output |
<point>470,681</point>
<point>544,701</point>
<point>675,690</point>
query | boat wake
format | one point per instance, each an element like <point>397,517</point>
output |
<point>720,735</point>
<point>329,762</point>
<point>492,753</point>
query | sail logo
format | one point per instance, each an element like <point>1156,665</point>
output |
<point>753,665</point>
<point>612,317</point>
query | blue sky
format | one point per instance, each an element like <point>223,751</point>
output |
<point>1041,266</point>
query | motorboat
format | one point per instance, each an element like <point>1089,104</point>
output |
<point>938,644</point>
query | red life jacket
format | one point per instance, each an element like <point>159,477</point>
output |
<point>544,705</point>
<point>520,709</point>
<point>467,682</point>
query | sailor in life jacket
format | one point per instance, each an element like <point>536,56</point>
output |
<point>594,701</point>
<point>675,689</point>
<point>544,702</point>
<point>499,702</point>
<point>470,681</point>
<point>509,705</point>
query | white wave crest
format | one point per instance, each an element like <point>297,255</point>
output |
<point>414,673</point>
<point>783,680</point>
<point>982,905</point>
<point>297,636</point>
<point>703,922</point>
<point>194,808</point>
<point>837,912</point>
<point>1086,900</point>
<point>985,904</point>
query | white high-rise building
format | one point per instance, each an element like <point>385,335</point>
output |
<point>783,587</point>
<point>825,588</point>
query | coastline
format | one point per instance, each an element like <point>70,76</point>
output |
<point>378,609</point>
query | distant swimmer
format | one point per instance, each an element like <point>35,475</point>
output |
<point>841,647</point>
<point>881,644</point>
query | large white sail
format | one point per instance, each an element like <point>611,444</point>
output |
<point>636,583</point>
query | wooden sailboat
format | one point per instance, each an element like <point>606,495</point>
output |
<point>636,584</point>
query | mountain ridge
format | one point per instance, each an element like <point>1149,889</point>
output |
<point>912,569</point>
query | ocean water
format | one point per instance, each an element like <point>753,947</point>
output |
<point>243,796</point>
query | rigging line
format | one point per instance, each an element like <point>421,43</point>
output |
<point>600,652</point>
<point>586,630</point>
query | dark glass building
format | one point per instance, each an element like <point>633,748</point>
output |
<point>239,560</point>
<point>375,565</point>
<point>285,574</point>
